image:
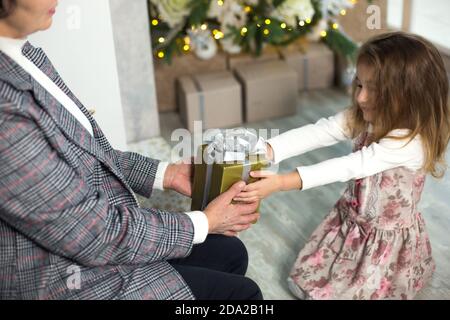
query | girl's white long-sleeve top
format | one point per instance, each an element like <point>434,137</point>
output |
<point>378,157</point>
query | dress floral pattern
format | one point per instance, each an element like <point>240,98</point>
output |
<point>372,245</point>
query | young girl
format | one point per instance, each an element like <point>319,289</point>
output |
<point>373,244</point>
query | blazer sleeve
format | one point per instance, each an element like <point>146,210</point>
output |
<point>139,171</point>
<point>45,199</point>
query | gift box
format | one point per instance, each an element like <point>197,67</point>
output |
<point>269,53</point>
<point>270,90</point>
<point>228,159</point>
<point>313,63</point>
<point>166,75</point>
<point>213,98</point>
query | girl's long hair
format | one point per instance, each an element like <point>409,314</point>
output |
<point>410,92</point>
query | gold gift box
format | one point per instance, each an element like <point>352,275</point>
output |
<point>223,176</point>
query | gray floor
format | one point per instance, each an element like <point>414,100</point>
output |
<point>289,218</point>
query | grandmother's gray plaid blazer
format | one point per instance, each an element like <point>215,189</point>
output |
<point>67,204</point>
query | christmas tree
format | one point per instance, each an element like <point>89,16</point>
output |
<point>202,26</point>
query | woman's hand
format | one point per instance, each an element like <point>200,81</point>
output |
<point>179,176</point>
<point>269,183</point>
<point>227,218</point>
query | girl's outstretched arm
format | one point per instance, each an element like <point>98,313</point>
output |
<point>269,183</point>
<point>324,133</point>
<point>378,157</point>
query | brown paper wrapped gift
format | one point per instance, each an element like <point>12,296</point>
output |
<point>269,53</point>
<point>213,177</point>
<point>213,98</point>
<point>270,90</point>
<point>166,75</point>
<point>314,64</point>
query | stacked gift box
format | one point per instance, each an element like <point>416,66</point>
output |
<point>213,98</point>
<point>270,90</point>
<point>166,75</point>
<point>314,64</point>
<point>241,88</point>
<point>269,53</point>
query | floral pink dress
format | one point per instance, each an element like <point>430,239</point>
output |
<point>373,244</point>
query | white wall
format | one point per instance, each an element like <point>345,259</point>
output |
<point>135,67</point>
<point>81,46</point>
<point>430,19</point>
<point>395,13</point>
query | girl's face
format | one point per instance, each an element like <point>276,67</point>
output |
<point>29,16</point>
<point>364,91</point>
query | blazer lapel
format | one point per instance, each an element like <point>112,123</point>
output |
<point>68,124</point>
<point>12,73</point>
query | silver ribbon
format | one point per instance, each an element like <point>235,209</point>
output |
<point>305,73</point>
<point>201,100</point>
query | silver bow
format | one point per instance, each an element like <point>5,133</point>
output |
<point>234,145</point>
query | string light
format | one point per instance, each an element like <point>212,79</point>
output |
<point>266,32</point>
<point>155,22</point>
<point>301,23</point>
<point>220,2</point>
<point>323,34</point>
<point>161,54</point>
<point>203,26</point>
<point>308,21</point>
<point>186,47</point>
<point>343,12</point>
<point>218,35</point>
<point>267,21</point>
<point>187,40</point>
<point>283,25</point>
<point>247,9</point>
<point>335,26</point>
<point>161,40</point>
<point>244,31</point>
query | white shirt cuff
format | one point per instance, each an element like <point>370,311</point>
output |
<point>309,177</point>
<point>159,178</point>
<point>275,144</point>
<point>201,226</point>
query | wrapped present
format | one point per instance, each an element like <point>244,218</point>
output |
<point>270,90</point>
<point>188,64</point>
<point>213,98</point>
<point>313,63</point>
<point>269,53</point>
<point>227,159</point>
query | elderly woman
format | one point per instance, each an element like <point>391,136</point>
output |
<point>67,197</point>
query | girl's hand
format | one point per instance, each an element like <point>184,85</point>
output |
<point>256,191</point>
<point>269,183</point>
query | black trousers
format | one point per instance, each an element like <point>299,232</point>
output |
<point>215,270</point>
